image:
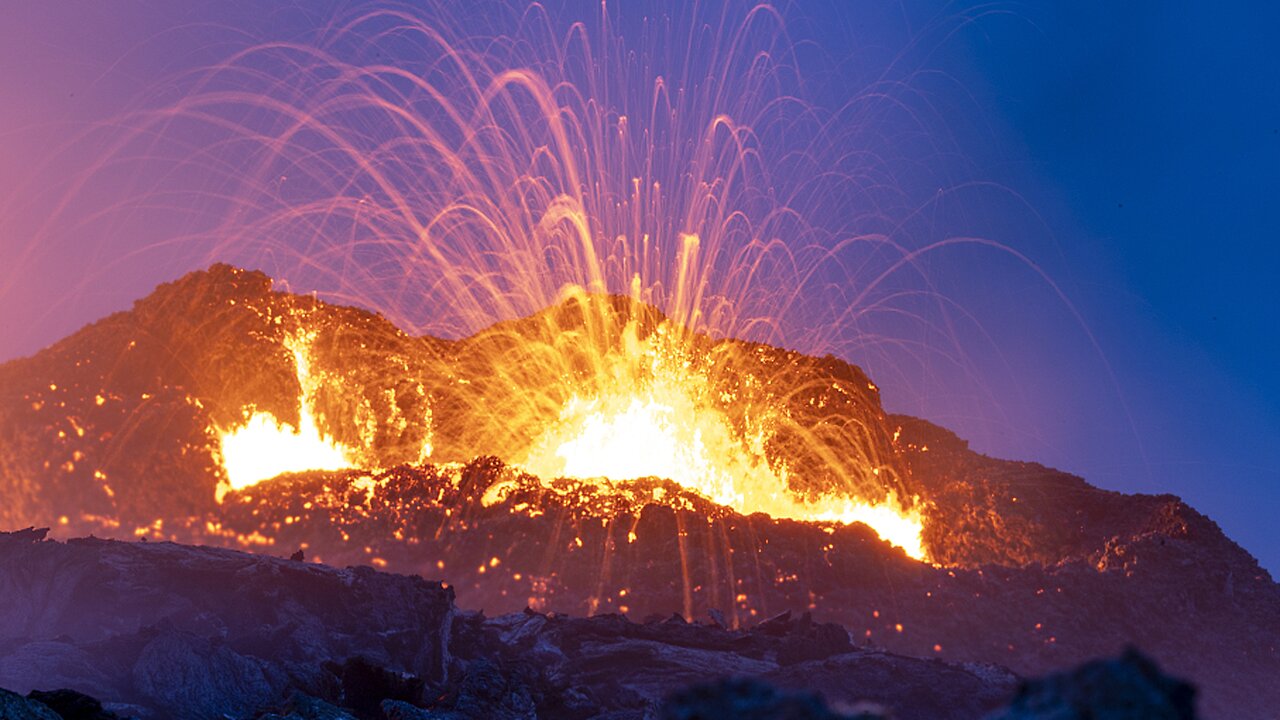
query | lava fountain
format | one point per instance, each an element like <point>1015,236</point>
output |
<point>620,227</point>
<point>660,416</point>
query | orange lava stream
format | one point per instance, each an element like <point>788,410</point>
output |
<point>265,447</point>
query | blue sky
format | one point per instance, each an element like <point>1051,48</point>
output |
<point>1148,135</point>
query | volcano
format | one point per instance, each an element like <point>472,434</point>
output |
<point>218,411</point>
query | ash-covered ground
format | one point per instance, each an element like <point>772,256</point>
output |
<point>113,432</point>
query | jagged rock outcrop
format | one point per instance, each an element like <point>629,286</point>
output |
<point>72,705</point>
<point>1130,687</point>
<point>15,707</point>
<point>201,632</point>
<point>166,630</point>
<point>204,634</point>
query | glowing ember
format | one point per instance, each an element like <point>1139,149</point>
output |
<point>264,447</point>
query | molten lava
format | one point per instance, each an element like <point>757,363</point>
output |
<point>265,447</point>
<point>623,437</point>
<point>655,426</point>
<point>632,407</point>
<point>627,438</point>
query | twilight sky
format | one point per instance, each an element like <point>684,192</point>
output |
<point>1129,150</point>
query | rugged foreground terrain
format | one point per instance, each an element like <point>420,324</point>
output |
<point>114,432</point>
<point>160,630</point>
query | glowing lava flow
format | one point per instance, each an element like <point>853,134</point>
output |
<point>264,447</point>
<point>660,431</point>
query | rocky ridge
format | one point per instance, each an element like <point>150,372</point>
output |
<point>112,432</point>
<point>101,629</point>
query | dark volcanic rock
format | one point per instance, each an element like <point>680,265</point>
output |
<point>985,511</point>
<point>192,660</point>
<point>49,664</point>
<point>749,700</point>
<point>1130,687</point>
<point>71,705</point>
<point>573,667</point>
<point>912,689</point>
<point>485,693</point>
<point>15,707</point>
<point>305,707</point>
<point>364,685</point>
<point>185,632</point>
<point>202,632</point>
<point>200,678</point>
<point>399,710</point>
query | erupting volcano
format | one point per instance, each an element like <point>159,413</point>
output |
<point>599,393</point>
<point>763,480</point>
<point>575,336</point>
<point>607,388</point>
